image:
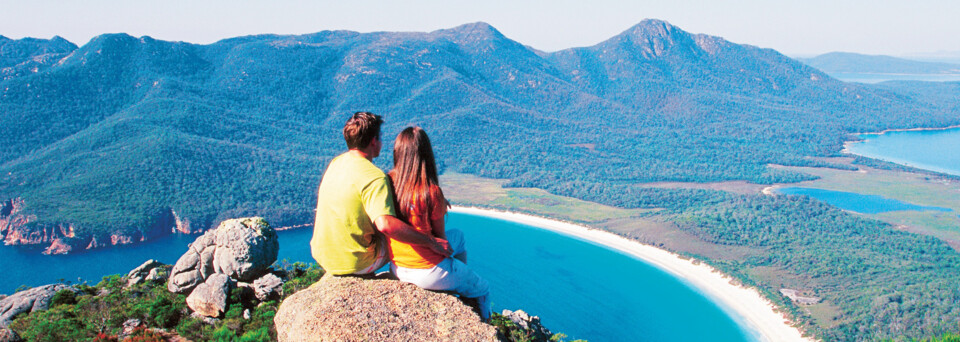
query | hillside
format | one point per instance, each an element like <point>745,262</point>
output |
<point>124,139</point>
<point>846,62</point>
<point>152,133</point>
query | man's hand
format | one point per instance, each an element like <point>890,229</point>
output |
<point>398,230</point>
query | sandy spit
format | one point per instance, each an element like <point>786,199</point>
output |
<point>756,311</point>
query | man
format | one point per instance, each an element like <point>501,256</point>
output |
<point>355,202</point>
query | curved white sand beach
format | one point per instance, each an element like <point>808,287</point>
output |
<point>757,312</point>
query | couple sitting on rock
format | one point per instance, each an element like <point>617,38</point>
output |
<point>365,219</point>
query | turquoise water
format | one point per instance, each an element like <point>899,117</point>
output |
<point>576,287</point>
<point>936,150</point>
<point>867,204</point>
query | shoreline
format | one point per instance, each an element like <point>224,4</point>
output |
<point>930,168</point>
<point>753,309</point>
<point>909,130</point>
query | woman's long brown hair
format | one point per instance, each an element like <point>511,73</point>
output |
<point>414,174</point>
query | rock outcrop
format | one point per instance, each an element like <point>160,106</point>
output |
<point>531,324</point>
<point>242,249</point>
<point>237,252</point>
<point>268,287</point>
<point>353,309</point>
<point>24,302</point>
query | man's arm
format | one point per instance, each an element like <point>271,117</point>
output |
<point>398,230</point>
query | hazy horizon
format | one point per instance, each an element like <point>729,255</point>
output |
<point>795,28</point>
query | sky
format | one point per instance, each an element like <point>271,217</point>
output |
<point>793,27</point>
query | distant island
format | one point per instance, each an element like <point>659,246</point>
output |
<point>845,62</point>
<point>126,139</point>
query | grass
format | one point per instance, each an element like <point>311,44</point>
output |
<point>469,190</point>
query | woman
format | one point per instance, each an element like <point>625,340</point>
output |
<point>420,202</point>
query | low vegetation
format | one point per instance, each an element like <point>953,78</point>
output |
<point>98,313</point>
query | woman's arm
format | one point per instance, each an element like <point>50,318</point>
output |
<point>438,228</point>
<point>438,218</point>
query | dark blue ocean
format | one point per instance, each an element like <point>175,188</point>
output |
<point>576,287</point>
<point>936,150</point>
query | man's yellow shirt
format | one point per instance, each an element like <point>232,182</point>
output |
<point>352,193</point>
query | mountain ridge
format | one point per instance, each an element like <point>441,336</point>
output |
<point>465,83</point>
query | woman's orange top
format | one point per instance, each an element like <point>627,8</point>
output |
<point>415,256</point>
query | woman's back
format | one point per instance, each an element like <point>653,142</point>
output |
<point>416,256</point>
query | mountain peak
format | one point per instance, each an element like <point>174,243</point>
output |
<point>652,38</point>
<point>472,31</point>
<point>653,28</point>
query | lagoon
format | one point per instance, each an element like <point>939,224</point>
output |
<point>866,204</point>
<point>576,287</point>
<point>935,150</point>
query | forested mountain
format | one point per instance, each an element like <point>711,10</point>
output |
<point>29,55</point>
<point>134,134</point>
<point>846,62</point>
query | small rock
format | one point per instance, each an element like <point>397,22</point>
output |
<point>210,298</point>
<point>206,320</point>
<point>268,287</point>
<point>7,335</point>
<point>23,302</point>
<point>139,275</point>
<point>246,313</point>
<point>157,274</point>
<point>128,327</point>
<point>531,323</point>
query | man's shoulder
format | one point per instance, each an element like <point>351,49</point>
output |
<point>355,167</point>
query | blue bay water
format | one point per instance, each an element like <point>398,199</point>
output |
<point>867,204</point>
<point>936,150</point>
<point>576,287</point>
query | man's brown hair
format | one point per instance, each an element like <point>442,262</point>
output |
<point>361,129</point>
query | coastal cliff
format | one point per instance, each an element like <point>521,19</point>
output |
<point>19,227</point>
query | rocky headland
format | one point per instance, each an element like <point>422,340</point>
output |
<point>20,227</point>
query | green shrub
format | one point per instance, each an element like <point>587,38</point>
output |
<point>63,297</point>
